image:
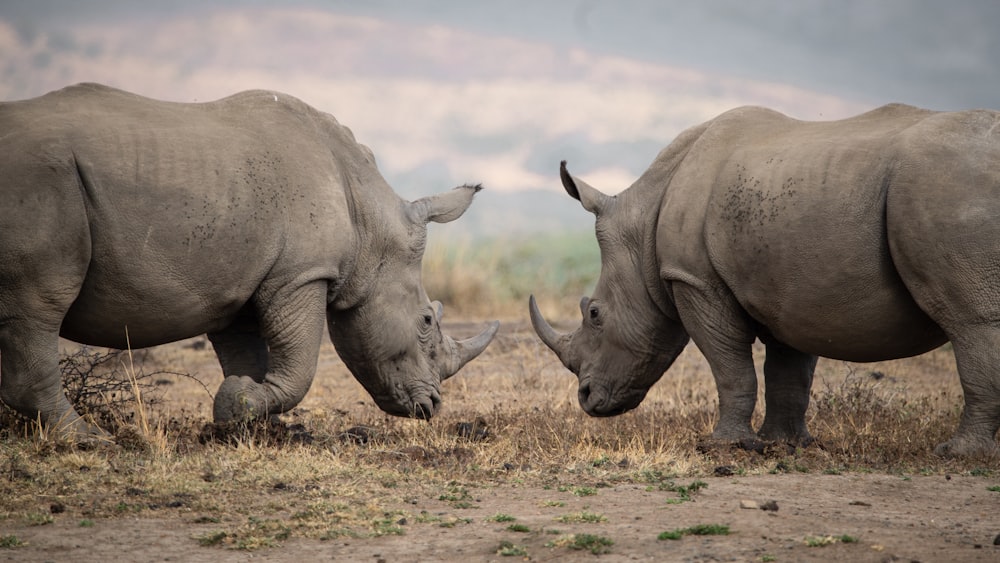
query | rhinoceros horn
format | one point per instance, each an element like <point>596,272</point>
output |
<point>556,342</point>
<point>461,352</point>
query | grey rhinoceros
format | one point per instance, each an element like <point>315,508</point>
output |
<point>126,221</point>
<point>870,238</point>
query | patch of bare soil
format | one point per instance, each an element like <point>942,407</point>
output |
<point>785,517</point>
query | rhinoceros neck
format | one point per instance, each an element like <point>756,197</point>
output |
<point>376,217</point>
<point>644,202</point>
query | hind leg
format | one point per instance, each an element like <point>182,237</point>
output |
<point>788,376</point>
<point>30,381</point>
<point>977,352</point>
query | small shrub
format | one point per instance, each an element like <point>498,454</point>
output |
<point>521,528</point>
<point>212,538</point>
<point>501,517</point>
<point>582,517</point>
<point>823,541</point>
<point>508,549</point>
<point>11,541</point>
<point>589,542</point>
<point>698,530</point>
<point>683,492</point>
<point>39,519</point>
<point>671,535</point>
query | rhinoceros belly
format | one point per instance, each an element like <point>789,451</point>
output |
<point>845,315</point>
<point>110,315</point>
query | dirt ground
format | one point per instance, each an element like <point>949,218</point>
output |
<point>922,518</point>
<point>855,516</point>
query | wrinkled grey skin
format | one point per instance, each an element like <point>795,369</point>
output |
<point>871,238</point>
<point>126,221</point>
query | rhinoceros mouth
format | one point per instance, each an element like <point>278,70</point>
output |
<point>600,402</point>
<point>422,407</point>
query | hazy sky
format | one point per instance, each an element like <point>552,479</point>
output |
<point>499,92</point>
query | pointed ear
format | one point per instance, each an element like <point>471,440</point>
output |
<point>443,207</point>
<point>593,200</point>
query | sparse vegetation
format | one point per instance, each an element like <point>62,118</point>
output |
<point>507,548</point>
<point>588,542</point>
<point>586,517</point>
<point>683,492</point>
<point>497,276</point>
<point>698,530</point>
<point>823,541</point>
<point>336,467</point>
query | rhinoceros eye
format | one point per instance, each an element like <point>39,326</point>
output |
<point>594,313</point>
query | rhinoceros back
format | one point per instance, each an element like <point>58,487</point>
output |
<point>182,208</point>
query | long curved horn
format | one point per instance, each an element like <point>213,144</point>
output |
<point>462,352</point>
<point>555,341</point>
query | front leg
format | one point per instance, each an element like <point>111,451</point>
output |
<point>292,324</point>
<point>240,348</point>
<point>719,328</point>
<point>788,376</point>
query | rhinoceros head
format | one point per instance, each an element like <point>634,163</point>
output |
<point>625,342</point>
<point>391,339</point>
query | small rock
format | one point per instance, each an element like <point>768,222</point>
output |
<point>358,434</point>
<point>57,508</point>
<point>996,540</point>
<point>749,504</point>
<point>472,431</point>
<point>770,506</point>
<point>723,471</point>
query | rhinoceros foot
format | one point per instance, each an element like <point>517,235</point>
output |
<point>240,399</point>
<point>790,433</point>
<point>74,429</point>
<point>963,447</point>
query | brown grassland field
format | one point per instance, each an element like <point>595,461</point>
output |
<point>511,469</point>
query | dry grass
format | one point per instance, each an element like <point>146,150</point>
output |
<point>336,466</point>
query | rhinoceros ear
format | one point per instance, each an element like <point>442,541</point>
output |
<point>593,200</point>
<point>444,207</point>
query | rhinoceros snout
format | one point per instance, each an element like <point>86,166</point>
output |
<point>422,407</point>
<point>596,401</point>
<point>426,408</point>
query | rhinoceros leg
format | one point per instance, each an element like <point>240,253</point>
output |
<point>720,330</point>
<point>292,324</point>
<point>30,380</point>
<point>240,348</point>
<point>788,376</point>
<point>977,352</point>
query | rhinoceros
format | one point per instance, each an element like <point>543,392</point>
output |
<point>126,221</point>
<point>870,238</point>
